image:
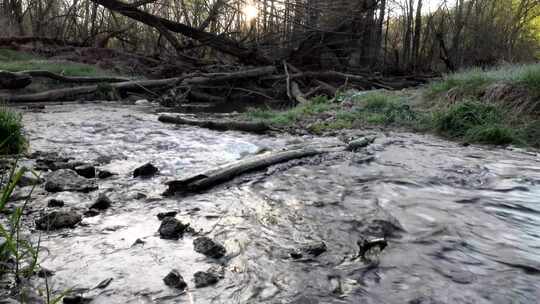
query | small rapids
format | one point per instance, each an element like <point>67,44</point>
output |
<point>462,223</point>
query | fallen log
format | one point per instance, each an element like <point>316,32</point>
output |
<point>226,173</point>
<point>12,81</point>
<point>73,79</point>
<point>190,79</point>
<point>252,127</point>
<point>61,94</point>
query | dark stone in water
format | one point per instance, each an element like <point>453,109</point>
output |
<point>208,247</point>
<point>58,220</point>
<point>163,215</point>
<point>175,280</point>
<point>313,249</point>
<point>138,242</point>
<point>172,228</point>
<point>44,272</point>
<point>102,174</point>
<point>366,246</point>
<point>68,180</point>
<point>55,203</point>
<point>357,144</point>
<point>87,171</point>
<point>91,213</point>
<point>203,279</point>
<point>146,170</point>
<point>78,299</point>
<point>29,179</point>
<point>102,203</point>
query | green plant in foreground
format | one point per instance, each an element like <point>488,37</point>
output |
<point>12,139</point>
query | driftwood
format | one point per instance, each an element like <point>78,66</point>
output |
<point>12,81</point>
<point>216,125</point>
<point>186,80</point>
<point>62,94</point>
<point>225,173</point>
<point>73,79</point>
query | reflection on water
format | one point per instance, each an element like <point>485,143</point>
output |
<point>461,222</point>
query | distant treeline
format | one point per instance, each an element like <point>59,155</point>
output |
<point>349,35</point>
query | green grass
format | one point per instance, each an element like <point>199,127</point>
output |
<point>470,120</point>
<point>457,120</point>
<point>368,109</point>
<point>12,140</point>
<point>14,61</point>
<point>472,83</point>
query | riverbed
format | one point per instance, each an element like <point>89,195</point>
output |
<point>461,222</point>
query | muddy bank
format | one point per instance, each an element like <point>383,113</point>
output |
<point>460,222</point>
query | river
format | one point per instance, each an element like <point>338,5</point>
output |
<point>461,223</point>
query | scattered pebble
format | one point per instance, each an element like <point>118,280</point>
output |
<point>87,171</point>
<point>208,247</point>
<point>175,280</point>
<point>145,171</point>
<point>172,228</point>
<point>58,220</point>
<point>103,202</point>
<point>53,203</point>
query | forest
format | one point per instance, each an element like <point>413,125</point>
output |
<point>269,151</point>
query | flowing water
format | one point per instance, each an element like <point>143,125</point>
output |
<point>462,223</point>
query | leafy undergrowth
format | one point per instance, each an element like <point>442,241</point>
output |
<point>15,61</point>
<point>12,140</point>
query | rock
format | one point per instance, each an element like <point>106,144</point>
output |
<point>68,180</point>
<point>163,215</point>
<point>58,220</point>
<point>357,144</point>
<point>313,250</point>
<point>91,213</point>
<point>172,228</point>
<point>104,159</point>
<point>13,81</point>
<point>87,171</point>
<point>175,280</point>
<point>208,247</point>
<point>371,247</point>
<point>77,299</point>
<point>203,279</point>
<point>146,170</point>
<point>44,272</point>
<point>29,179</point>
<point>142,102</point>
<point>102,174</point>
<point>138,242</point>
<point>53,203</point>
<point>102,203</point>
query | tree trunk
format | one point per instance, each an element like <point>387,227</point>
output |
<point>219,43</point>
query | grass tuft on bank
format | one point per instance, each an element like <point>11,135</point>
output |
<point>15,61</point>
<point>12,140</point>
<point>473,82</point>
